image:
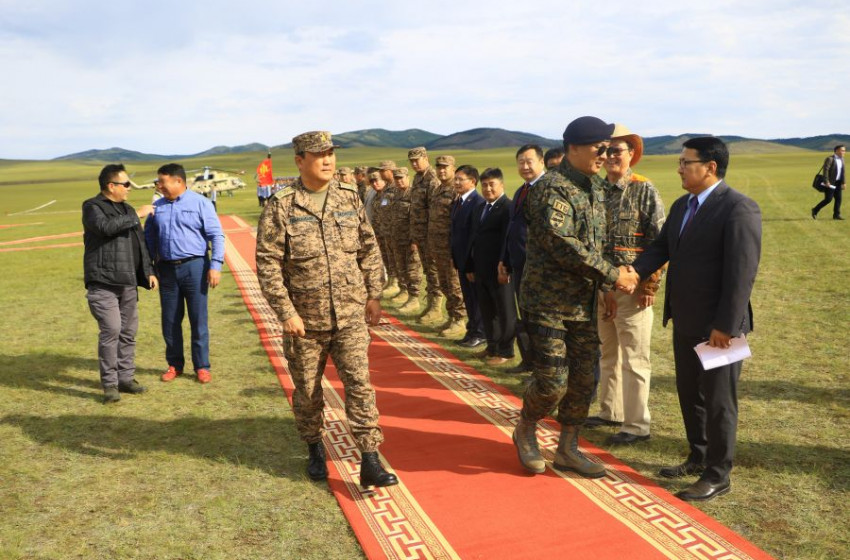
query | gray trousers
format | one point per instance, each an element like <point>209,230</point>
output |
<point>117,313</point>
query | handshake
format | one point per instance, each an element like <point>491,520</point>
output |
<point>628,280</point>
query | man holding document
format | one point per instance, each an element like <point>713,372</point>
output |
<point>712,240</point>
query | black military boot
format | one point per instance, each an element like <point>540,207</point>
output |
<point>569,458</point>
<point>372,472</point>
<point>317,469</point>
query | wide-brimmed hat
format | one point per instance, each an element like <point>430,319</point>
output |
<point>622,132</point>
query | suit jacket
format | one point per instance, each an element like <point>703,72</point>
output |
<point>462,227</point>
<point>712,266</point>
<point>485,244</point>
<point>517,233</point>
<point>830,171</point>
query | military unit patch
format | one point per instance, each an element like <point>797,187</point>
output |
<point>557,219</point>
<point>561,206</point>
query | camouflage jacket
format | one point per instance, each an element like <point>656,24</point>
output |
<point>400,216</point>
<point>420,192</point>
<point>322,266</point>
<point>381,207</point>
<point>564,267</point>
<point>440,203</point>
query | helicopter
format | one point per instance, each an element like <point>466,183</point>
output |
<point>204,180</point>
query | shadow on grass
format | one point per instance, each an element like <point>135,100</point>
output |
<point>45,372</point>
<point>264,443</point>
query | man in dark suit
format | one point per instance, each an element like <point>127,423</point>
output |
<point>835,174</point>
<point>468,203</point>
<point>530,166</point>
<point>495,299</point>
<point>712,240</point>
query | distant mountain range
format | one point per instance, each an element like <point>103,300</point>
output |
<point>474,139</point>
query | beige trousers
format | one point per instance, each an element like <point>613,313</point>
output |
<point>625,367</point>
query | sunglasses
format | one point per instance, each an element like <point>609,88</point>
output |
<point>126,185</point>
<point>615,151</point>
<point>600,151</point>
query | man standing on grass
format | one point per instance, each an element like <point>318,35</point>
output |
<point>115,263</point>
<point>179,235</point>
<point>319,267</point>
<point>834,175</point>
<point>712,240</point>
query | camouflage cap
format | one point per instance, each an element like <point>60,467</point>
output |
<point>344,170</point>
<point>387,164</point>
<point>360,169</point>
<point>313,142</point>
<point>445,160</point>
<point>401,172</point>
<point>374,175</point>
<point>418,152</point>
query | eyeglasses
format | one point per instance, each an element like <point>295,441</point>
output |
<point>684,162</point>
<point>126,185</point>
<point>612,151</point>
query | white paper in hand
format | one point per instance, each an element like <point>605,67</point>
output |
<point>711,357</point>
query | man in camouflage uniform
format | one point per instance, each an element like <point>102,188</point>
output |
<point>424,183</point>
<point>407,264</point>
<point>564,268</point>
<point>635,216</point>
<point>381,205</point>
<point>440,203</point>
<point>319,268</point>
<point>392,289</point>
<point>362,181</point>
<point>346,175</point>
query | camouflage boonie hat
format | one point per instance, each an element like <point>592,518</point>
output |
<point>361,169</point>
<point>445,160</point>
<point>418,152</point>
<point>313,142</point>
<point>387,164</point>
<point>344,170</point>
<point>401,172</point>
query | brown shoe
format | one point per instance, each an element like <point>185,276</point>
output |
<point>496,361</point>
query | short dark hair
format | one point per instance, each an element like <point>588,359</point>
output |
<point>713,149</point>
<point>553,153</point>
<point>108,173</point>
<point>172,170</point>
<point>838,147</point>
<point>493,173</point>
<point>469,171</point>
<point>537,150</point>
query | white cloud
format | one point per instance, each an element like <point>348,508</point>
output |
<point>181,77</point>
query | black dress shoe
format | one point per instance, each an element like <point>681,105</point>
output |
<point>685,469</point>
<point>132,387</point>
<point>814,214</point>
<point>473,342</point>
<point>703,490</point>
<point>625,438</point>
<point>317,468</point>
<point>372,472</point>
<point>596,421</point>
<point>837,218</point>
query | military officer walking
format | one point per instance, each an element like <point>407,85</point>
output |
<point>319,267</point>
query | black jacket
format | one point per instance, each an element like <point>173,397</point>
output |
<point>108,257</point>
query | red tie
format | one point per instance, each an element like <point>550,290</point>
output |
<point>523,191</point>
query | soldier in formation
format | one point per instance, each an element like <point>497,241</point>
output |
<point>424,183</point>
<point>407,263</point>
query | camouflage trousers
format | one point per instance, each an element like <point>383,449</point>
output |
<point>429,267</point>
<point>562,360</point>
<point>307,357</point>
<point>387,255</point>
<point>407,266</point>
<point>447,278</point>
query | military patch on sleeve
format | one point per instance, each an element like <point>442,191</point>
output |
<point>561,206</point>
<point>348,187</point>
<point>557,220</point>
<point>285,191</point>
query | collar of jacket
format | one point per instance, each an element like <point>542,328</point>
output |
<point>578,178</point>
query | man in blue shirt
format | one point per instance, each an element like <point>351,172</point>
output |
<point>178,235</point>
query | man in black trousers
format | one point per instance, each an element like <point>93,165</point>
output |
<point>495,299</point>
<point>834,176</point>
<point>712,240</point>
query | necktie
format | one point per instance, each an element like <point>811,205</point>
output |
<point>693,205</point>
<point>486,211</point>
<point>523,191</point>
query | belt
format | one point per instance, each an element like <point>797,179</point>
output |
<point>181,261</point>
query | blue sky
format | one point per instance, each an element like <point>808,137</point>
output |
<point>180,77</point>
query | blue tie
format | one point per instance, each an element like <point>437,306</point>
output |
<point>486,211</point>
<point>693,205</point>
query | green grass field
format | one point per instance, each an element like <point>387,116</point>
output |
<point>216,471</point>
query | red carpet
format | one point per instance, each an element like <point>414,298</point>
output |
<point>463,493</point>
